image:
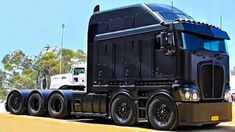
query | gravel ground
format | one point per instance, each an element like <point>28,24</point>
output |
<point>13,123</point>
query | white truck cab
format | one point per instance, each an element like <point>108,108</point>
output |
<point>75,79</point>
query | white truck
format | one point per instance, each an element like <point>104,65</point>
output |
<point>75,79</point>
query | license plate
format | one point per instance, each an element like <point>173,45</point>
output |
<point>214,118</point>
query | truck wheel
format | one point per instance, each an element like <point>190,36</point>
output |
<point>162,113</point>
<point>35,105</point>
<point>58,106</point>
<point>123,111</point>
<point>15,103</point>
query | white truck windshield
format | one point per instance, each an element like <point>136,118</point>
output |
<point>78,71</point>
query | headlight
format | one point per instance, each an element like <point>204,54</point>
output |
<point>227,95</point>
<point>189,94</point>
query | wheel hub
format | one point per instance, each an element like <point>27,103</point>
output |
<point>16,103</point>
<point>123,110</point>
<point>162,113</point>
<point>56,105</point>
<point>35,104</point>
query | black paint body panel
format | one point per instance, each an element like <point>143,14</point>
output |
<point>201,113</point>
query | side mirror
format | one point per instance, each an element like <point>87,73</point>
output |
<point>163,41</point>
<point>166,42</point>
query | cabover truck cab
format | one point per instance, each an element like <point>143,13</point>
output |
<point>146,62</point>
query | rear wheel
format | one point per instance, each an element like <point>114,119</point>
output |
<point>36,105</point>
<point>123,111</point>
<point>15,104</point>
<point>162,113</point>
<point>58,106</point>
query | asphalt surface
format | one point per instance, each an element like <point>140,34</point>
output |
<point>22,123</point>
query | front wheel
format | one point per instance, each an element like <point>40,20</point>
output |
<point>162,113</point>
<point>123,111</point>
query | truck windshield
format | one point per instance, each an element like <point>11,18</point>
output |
<point>195,43</point>
<point>78,71</point>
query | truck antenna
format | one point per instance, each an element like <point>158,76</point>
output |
<point>221,21</point>
<point>172,9</point>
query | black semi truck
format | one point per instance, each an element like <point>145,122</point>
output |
<point>146,62</point>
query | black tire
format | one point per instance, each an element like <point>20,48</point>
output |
<point>58,106</point>
<point>15,104</point>
<point>36,105</point>
<point>162,113</point>
<point>123,111</point>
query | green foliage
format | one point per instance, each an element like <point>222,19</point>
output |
<point>13,61</point>
<point>2,78</point>
<point>48,64</point>
<point>2,94</point>
<point>23,71</point>
<point>19,70</point>
<point>81,55</point>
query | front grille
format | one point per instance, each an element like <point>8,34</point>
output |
<point>218,81</point>
<point>211,80</point>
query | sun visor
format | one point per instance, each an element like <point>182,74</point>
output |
<point>202,29</point>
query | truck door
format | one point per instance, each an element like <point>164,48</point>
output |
<point>165,59</point>
<point>78,75</point>
<point>131,58</point>
<point>104,61</point>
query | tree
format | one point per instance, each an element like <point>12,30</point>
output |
<point>24,71</point>
<point>19,70</point>
<point>81,55</point>
<point>13,61</point>
<point>67,54</point>
<point>2,79</point>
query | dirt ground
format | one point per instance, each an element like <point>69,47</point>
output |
<point>12,123</point>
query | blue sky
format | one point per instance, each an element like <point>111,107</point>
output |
<point>31,24</point>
